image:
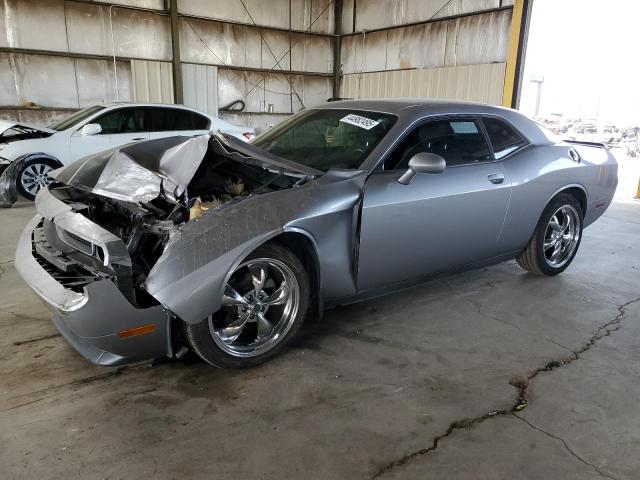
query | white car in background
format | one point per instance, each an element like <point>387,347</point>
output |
<point>33,151</point>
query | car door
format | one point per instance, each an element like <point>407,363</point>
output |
<point>167,122</point>
<point>118,127</point>
<point>523,166</point>
<point>437,221</point>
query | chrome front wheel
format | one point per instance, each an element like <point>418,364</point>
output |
<point>263,306</point>
<point>260,303</point>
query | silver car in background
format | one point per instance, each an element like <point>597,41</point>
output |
<point>226,247</point>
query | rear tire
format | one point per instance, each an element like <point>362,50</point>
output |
<point>32,176</point>
<point>556,238</point>
<point>264,306</point>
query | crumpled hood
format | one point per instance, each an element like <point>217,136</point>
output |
<point>234,148</point>
<point>142,172</point>
<point>8,124</point>
<point>138,172</point>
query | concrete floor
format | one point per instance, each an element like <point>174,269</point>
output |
<point>420,384</point>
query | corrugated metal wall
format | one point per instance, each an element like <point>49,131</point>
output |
<point>476,83</point>
<point>275,56</point>
<point>462,41</point>
<point>296,15</point>
<point>277,67</point>
<point>459,58</point>
<point>79,27</point>
<point>61,81</point>
<point>375,14</point>
<point>152,81</point>
<point>200,86</point>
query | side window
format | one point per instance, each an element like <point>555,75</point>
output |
<point>165,119</point>
<point>182,120</point>
<point>122,120</point>
<point>175,119</point>
<point>459,142</point>
<point>200,122</point>
<point>504,139</point>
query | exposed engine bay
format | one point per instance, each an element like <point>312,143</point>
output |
<point>19,132</point>
<point>220,180</point>
<point>145,227</point>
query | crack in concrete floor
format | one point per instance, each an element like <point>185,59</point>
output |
<point>523,385</point>
<point>566,446</point>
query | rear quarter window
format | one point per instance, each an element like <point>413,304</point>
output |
<point>175,119</point>
<point>504,138</point>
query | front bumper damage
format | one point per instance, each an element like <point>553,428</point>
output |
<point>91,314</point>
<point>8,192</point>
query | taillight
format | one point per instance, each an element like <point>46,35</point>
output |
<point>249,136</point>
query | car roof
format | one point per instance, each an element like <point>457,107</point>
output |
<point>415,104</point>
<point>219,122</point>
<point>411,109</point>
<point>163,105</point>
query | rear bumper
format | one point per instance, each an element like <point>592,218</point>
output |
<point>596,208</point>
<point>90,321</point>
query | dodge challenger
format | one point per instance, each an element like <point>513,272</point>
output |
<point>223,247</point>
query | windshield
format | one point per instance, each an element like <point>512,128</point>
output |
<point>324,139</point>
<point>76,118</point>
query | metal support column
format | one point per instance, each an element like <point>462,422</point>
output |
<point>516,52</point>
<point>172,6</point>
<point>337,47</point>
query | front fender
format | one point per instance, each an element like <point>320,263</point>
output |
<point>202,253</point>
<point>8,191</point>
<point>191,273</point>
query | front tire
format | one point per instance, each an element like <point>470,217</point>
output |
<point>264,305</point>
<point>33,176</point>
<point>556,239</point>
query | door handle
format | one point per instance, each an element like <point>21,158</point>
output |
<point>496,178</point>
<point>137,139</point>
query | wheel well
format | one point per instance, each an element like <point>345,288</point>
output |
<point>36,156</point>
<point>302,247</point>
<point>45,157</point>
<point>579,195</point>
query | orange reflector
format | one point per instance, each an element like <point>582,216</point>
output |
<point>134,332</point>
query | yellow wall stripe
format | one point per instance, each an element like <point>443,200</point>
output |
<point>512,53</point>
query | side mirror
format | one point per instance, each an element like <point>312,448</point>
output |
<point>423,162</point>
<point>91,129</point>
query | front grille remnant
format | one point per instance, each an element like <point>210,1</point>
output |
<point>67,272</point>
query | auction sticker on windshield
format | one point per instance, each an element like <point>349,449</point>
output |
<point>358,121</point>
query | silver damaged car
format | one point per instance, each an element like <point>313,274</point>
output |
<point>225,247</point>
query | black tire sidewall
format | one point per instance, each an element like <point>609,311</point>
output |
<point>28,163</point>
<point>558,202</point>
<point>199,335</point>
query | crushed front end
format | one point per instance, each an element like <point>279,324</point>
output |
<point>107,219</point>
<point>84,272</point>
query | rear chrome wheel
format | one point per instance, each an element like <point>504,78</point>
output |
<point>561,236</point>
<point>556,239</point>
<point>263,306</point>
